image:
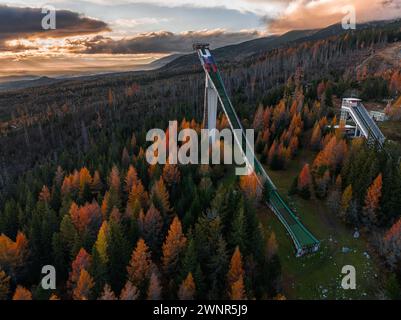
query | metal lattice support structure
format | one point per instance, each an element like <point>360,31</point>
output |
<point>215,90</point>
<point>210,109</point>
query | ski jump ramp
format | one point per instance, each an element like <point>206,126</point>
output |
<point>215,91</point>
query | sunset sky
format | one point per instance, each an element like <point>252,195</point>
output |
<point>101,36</point>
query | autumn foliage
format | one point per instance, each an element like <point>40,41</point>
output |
<point>372,199</point>
<point>173,246</point>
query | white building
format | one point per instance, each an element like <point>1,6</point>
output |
<point>379,116</point>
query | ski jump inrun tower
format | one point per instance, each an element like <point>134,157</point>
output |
<point>215,92</point>
<point>353,110</point>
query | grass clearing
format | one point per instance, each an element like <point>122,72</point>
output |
<point>318,276</point>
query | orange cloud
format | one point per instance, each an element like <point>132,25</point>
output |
<point>311,14</point>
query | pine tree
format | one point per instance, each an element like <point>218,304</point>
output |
<point>118,255</point>
<point>125,160</point>
<point>22,293</point>
<point>152,229</point>
<point>154,290</point>
<point>173,246</point>
<point>238,233</point>
<point>68,234</point>
<point>272,246</point>
<point>100,259</point>
<point>8,219</point>
<point>171,174</point>
<point>84,286</point>
<point>187,288</point>
<point>133,141</point>
<point>258,119</point>
<point>97,184</point>
<point>346,201</point>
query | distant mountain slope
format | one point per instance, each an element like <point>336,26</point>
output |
<point>22,84</point>
<point>243,49</point>
<point>257,46</point>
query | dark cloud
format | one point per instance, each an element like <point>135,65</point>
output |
<point>162,42</point>
<point>27,23</point>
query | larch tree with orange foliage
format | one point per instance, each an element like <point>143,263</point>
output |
<point>82,261</point>
<point>4,285</point>
<point>236,269</point>
<point>83,289</point>
<point>129,292</point>
<point>187,288</point>
<point>138,194</point>
<point>173,247</point>
<point>304,182</point>
<point>250,186</point>
<point>160,197</point>
<point>141,266</point>
<point>372,199</point>
<point>13,254</point>
<point>22,293</point>
<point>44,195</point>
<point>107,293</point>
<point>85,181</point>
<point>154,289</point>
<point>391,245</point>
<point>316,137</point>
<point>395,82</point>
<point>237,290</point>
<point>114,180</point>
<point>87,217</point>
<point>130,179</point>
